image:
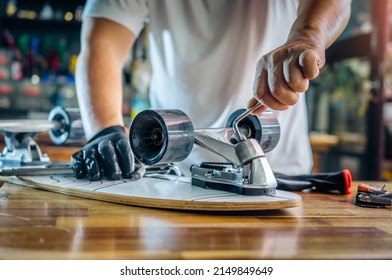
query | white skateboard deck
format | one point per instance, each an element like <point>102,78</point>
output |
<point>168,192</point>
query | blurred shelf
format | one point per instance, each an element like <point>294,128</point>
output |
<point>353,47</point>
<point>34,23</point>
<point>322,141</point>
<point>372,47</point>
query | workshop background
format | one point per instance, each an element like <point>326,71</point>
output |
<point>349,105</point>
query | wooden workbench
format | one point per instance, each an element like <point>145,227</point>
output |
<point>36,224</point>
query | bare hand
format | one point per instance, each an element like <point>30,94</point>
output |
<point>284,73</point>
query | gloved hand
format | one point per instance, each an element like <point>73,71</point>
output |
<point>108,154</point>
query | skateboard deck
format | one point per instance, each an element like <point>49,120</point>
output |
<point>166,191</point>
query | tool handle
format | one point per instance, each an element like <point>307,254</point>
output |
<point>292,185</point>
<point>321,182</point>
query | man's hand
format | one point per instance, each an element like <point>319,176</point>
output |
<point>284,73</point>
<point>107,154</point>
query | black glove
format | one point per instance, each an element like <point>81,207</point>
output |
<point>108,154</point>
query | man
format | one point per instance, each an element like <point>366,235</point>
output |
<point>208,58</point>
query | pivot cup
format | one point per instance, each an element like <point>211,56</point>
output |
<point>264,128</point>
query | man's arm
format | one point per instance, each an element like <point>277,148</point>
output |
<point>104,49</point>
<point>105,46</point>
<point>284,73</point>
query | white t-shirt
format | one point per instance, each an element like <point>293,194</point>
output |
<point>204,54</point>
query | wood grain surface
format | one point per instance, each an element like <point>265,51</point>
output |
<point>38,224</point>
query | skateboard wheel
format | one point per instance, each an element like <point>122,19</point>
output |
<point>162,136</point>
<point>264,128</point>
<point>70,128</point>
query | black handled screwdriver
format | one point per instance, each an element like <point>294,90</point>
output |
<point>320,182</point>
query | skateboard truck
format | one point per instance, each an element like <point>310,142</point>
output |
<point>20,147</point>
<point>164,136</point>
<point>22,156</point>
